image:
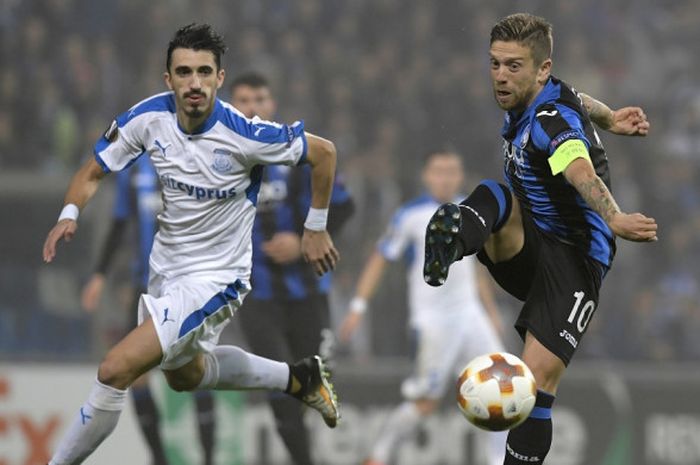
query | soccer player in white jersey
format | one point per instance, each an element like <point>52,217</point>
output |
<point>209,159</point>
<point>452,325</point>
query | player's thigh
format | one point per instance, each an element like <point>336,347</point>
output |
<point>134,355</point>
<point>263,324</point>
<point>562,301</point>
<point>308,318</point>
<point>507,242</point>
<point>516,274</point>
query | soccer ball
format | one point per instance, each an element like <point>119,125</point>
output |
<point>496,391</point>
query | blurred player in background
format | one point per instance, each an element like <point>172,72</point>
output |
<point>137,203</point>
<point>451,325</point>
<point>286,316</point>
<point>548,235</point>
<point>209,159</point>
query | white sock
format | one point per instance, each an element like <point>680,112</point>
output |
<point>401,425</point>
<point>232,368</point>
<point>95,421</point>
<point>497,446</point>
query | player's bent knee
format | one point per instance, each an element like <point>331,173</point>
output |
<point>114,371</point>
<point>186,378</point>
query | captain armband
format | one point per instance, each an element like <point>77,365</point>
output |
<point>567,152</point>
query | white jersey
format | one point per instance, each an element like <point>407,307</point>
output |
<point>405,238</point>
<point>210,181</point>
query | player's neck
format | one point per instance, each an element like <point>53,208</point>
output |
<point>190,124</point>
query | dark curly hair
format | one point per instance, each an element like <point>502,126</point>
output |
<point>197,37</point>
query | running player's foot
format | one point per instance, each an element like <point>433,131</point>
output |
<point>317,391</point>
<point>442,247</point>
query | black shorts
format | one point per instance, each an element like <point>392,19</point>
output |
<point>287,330</point>
<point>559,285</point>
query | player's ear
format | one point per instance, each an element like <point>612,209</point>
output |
<point>544,70</point>
<point>220,78</point>
<point>166,78</point>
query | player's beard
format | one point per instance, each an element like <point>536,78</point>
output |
<point>196,110</point>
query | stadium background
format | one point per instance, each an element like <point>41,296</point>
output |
<point>387,80</point>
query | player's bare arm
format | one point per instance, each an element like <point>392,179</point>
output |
<point>81,189</point>
<point>366,286</point>
<point>626,121</point>
<point>633,227</point>
<point>316,244</point>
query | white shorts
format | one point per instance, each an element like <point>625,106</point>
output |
<point>445,343</point>
<point>189,314</point>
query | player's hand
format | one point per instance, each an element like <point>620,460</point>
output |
<point>318,250</point>
<point>348,326</point>
<point>64,229</point>
<point>629,121</point>
<point>634,227</point>
<point>92,292</point>
<point>283,247</point>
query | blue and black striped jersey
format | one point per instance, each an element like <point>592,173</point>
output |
<point>283,202</point>
<point>530,138</point>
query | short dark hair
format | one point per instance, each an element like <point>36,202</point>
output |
<point>532,31</point>
<point>251,79</point>
<point>197,37</point>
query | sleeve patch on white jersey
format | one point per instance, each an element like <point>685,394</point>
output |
<point>112,131</point>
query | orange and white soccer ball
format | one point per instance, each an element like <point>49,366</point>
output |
<point>496,391</point>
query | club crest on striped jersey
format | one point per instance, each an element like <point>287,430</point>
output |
<point>525,137</point>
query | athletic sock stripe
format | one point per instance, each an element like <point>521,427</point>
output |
<point>541,413</point>
<point>497,192</point>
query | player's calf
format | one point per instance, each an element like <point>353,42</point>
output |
<point>530,442</point>
<point>458,230</point>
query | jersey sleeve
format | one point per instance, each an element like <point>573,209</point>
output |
<point>120,146</point>
<point>266,142</point>
<point>396,238</point>
<point>558,131</point>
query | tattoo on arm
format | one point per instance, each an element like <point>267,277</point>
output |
<point>599,112</point>
<point>598,197</point>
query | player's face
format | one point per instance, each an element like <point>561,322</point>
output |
<point>516,78</point>
<point>252,101</point>
<point>195,78</point>
<point>443,177</point>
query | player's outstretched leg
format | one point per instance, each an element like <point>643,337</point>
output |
<point>458,230</point>
<point>232,368</point>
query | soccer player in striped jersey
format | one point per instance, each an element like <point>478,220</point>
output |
<point>286,316</point>
<point>209,159</point>
<point>548,234</point>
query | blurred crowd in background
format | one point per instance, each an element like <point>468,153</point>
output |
<point>387,81</point>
